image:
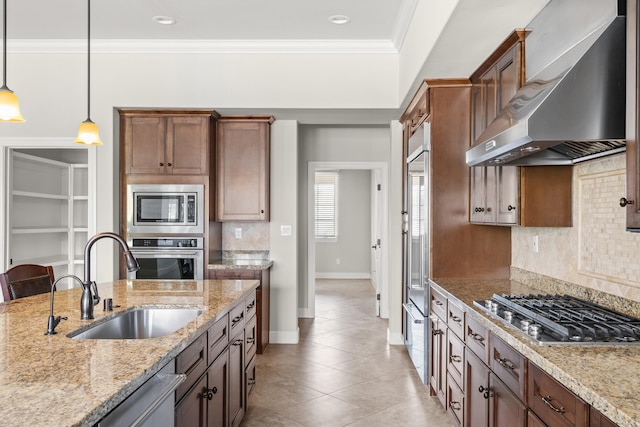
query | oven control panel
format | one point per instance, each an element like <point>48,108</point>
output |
<point>167,242</point>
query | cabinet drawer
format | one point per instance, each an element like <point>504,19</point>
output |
<point>218,338</point>
<point>250,305</point>
<point>250,338</point>
<point>510,366</point>
<point>455,319</point>
<point>455,402</point>
<point>554,404</point>
<point>477,339</point>
<point>236,319</point>
<point>455,357</point>
<point>438,303</point>
<point>192,362</point>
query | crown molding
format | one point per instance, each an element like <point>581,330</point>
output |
<point>403,21</point>
<point>203,46</point>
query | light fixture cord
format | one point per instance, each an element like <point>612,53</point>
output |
<point>4,45</point>
<point>88,59</point>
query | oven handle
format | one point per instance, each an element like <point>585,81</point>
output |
<point>161,253</point>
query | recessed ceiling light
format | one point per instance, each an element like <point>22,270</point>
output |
<point>339,19</point>
<point>164,20</point>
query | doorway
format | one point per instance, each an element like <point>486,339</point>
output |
<point>378,246</point>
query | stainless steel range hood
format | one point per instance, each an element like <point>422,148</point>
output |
<point>573,111</point>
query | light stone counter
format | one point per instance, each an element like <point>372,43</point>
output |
<point>606,377</point>
<point>59,381</point>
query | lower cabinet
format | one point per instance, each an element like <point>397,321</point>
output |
<point>438,359</point>
<point>505,409</point>
<point>220,371</point>
<point>477,386</point>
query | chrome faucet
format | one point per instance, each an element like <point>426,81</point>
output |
<point>90,295</point>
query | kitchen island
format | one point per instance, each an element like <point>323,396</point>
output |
<point>56,380</point>
<point>605,376</point>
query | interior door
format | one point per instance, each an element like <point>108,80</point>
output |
<point>376,233</point>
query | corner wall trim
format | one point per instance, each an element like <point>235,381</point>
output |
<point>284,337</point>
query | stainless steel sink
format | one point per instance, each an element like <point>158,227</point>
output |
<point>139,323</point>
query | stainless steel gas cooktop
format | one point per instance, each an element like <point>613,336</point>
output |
<point>561,319</point>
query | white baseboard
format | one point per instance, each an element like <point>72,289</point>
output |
<point>394,338</point>
<point>343,275</point>
<point>305,313</point>
<point>284,337</point>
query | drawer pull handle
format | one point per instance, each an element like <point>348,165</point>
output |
<point>250,306</point>
<point>251,382</point>
<point>455,406</point>
<point>455,358</point>
<point>477,337</point>
<point>456,318</point>
<point>251,340</point>
<point>236,319</point>
<point>437,332</point>
<point>237,342</point>
<point>505,363</point>
<point>438,303</point>
<point>548,399</point>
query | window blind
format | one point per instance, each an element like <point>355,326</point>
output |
<point>326,206</point>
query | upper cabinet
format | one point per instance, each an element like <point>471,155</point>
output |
<point>166,142</point>
<point>532,196</point>
<point>242,168</point>
<point>631,201</point>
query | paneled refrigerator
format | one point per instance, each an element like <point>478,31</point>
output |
<point>416,288</point>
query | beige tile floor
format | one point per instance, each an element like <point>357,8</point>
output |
<point>342,372</point>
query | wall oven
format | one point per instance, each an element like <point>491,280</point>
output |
<point>165,209</point>
<point>168,258</point>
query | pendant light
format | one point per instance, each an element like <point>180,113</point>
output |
<point>9,108</point>
<point>88,131</point>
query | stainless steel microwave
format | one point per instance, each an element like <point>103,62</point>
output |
<point>165,209</point>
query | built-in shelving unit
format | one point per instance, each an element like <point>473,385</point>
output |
<point>48,211</point>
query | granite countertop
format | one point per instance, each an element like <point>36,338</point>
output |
<point>240,264</point>
<point>605,376</point>
<point>56,380</point>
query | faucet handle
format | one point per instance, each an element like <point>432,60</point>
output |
<point>96,297</point>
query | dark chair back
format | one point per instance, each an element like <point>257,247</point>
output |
<point>25,280</point>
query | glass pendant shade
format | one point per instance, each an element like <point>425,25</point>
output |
<point>9,108</point>
<point>88,134</point>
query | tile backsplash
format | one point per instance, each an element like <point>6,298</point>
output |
<point>597,252</point>
<point>255,236</point>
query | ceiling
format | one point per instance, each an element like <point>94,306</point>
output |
<point>471,33</point>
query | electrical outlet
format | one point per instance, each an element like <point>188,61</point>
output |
<point>285,230</point>
<point>535,244</point>
<point>338,261</point>
<point>238,233</point>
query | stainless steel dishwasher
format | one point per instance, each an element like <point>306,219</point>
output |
<point>151,405</point>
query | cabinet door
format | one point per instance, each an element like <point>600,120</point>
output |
<point>187,145</point>
<point>478,194</point>
<point>242,159</point>
<point>438,358</point>
<point>508,180</point>
<point>455,402</point>
<point>489,83</point>
<point>217,375</point>
<point>508,80</point>
<point>490,210</point>
<point>144,145</point>
<point>633,123</point>
<point>190,411</point>
<point>477,389</point>
<point>505,409</point>
<point>478,122</point>
<point>236,380</point>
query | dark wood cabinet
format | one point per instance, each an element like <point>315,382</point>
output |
<point>262,298</point>
<point>631,200</point>
<point>505,408</point>
<point>236,380</point>
<point>191,410</point>
<point>165,142</point>
<point>596,419</point>
<point>477,391</point>
<point>242,168</point>
<point>553,403</point>
<point>438,359</point>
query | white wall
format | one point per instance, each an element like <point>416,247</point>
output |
<point>353,247</point>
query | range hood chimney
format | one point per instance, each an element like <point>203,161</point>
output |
<point>573,111</point>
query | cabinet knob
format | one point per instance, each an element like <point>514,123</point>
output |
<point>485,391</point>
<point>261,211</point>
<point>624,202</point>
<point>511,208</point>
<point>161,164</point>
<point>168,164</point>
